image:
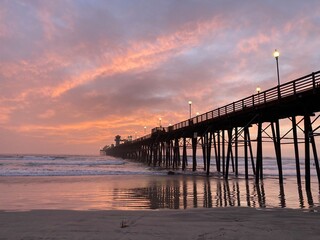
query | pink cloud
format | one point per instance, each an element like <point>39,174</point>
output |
<point>142,56</point>
<point>47,114</point>
<point>253,44</point>
<point>5,113</point>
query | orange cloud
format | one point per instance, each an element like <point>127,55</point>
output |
<point>5,113</point>
<point>143,55</point>
<point>47,114</point>
<point>96,131</point>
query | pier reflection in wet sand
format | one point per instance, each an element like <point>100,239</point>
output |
<point>182,192</point>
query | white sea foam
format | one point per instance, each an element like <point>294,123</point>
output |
<point>45,165</point>
<point>74,165</point>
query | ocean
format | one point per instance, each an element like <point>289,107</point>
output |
<point>77,182</point>
<point>68,165</point>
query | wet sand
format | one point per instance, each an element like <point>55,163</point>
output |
<point>149,192</point>
<point>155,207</point>
<point>198,224</point>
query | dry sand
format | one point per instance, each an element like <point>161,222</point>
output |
<point>214,223</point>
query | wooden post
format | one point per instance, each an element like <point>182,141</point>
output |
<point>216,152</point>
<point>251,154</point>
<point>176,153</point>
<point>151,154</point>
<point>277,146</point>
<point>184,154</point>
<point>315,155</point>
<point>160,153</point>
<point>167,153</point>
<point>231,155</point>
<point>223,153</point>
<point>248,194</point>
<point>219,149</point>
<point>259,152</point>
<point>229,150</point>
<point>282,196</point>
<point>296,148</point>
<point>209,141</point>
<point>236,151</point>
<point>246,152</point>
<point>194,151</point>
<point>171,152</point>
<point>279,152</point>
<point>204,152</point>
<point>157,154</point>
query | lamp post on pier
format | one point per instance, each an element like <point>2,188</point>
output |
<point>276,54</point>
<point>190,104</point>
<point>258,91</point>
<point>160,121</point>
<point>145,129</point>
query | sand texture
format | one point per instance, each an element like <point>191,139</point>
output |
<point>218,223</point>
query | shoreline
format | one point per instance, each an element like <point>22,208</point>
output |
<point>213,223</point>
<point>134,192</point>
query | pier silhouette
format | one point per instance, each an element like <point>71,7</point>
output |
<point>224,133</point>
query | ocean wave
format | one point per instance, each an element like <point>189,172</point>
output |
<point>74,165</point>
<point>74,173</point>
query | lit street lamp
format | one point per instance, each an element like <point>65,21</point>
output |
<point>258,91</point>
<point>160,122</point>
<point>190,103</point>
<point>276,54</point>
<point>145,129</point>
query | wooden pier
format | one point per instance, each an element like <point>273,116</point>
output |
<point>223,133</point>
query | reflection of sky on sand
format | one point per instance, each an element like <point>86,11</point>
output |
<point>149,192</point>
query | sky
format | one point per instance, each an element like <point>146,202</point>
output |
<point>75,73</point>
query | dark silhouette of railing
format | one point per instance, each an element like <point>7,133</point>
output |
<point>308,82</point>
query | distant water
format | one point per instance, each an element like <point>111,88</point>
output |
<point>79,165</point>
<point>71,182</point>
<point>68,165</point>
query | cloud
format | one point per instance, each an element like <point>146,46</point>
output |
<point>253,43</point>
<point>80,72</point>
<point>47,114</point>
<point>142,56</point>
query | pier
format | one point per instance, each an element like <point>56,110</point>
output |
<point>224,134</point>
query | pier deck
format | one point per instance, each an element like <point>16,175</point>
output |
<point>227,129</point>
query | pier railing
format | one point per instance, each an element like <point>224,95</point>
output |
<point>308,82</point>
<point>295,87</point>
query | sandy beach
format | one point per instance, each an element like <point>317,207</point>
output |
<point>150,206</point>
<point>218,223</point>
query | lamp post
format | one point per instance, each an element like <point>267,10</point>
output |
<point>145,129</point>
<point>190,103</point>
<point>160,121</point>
<point>276,54</point>
<point>258,91</point>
